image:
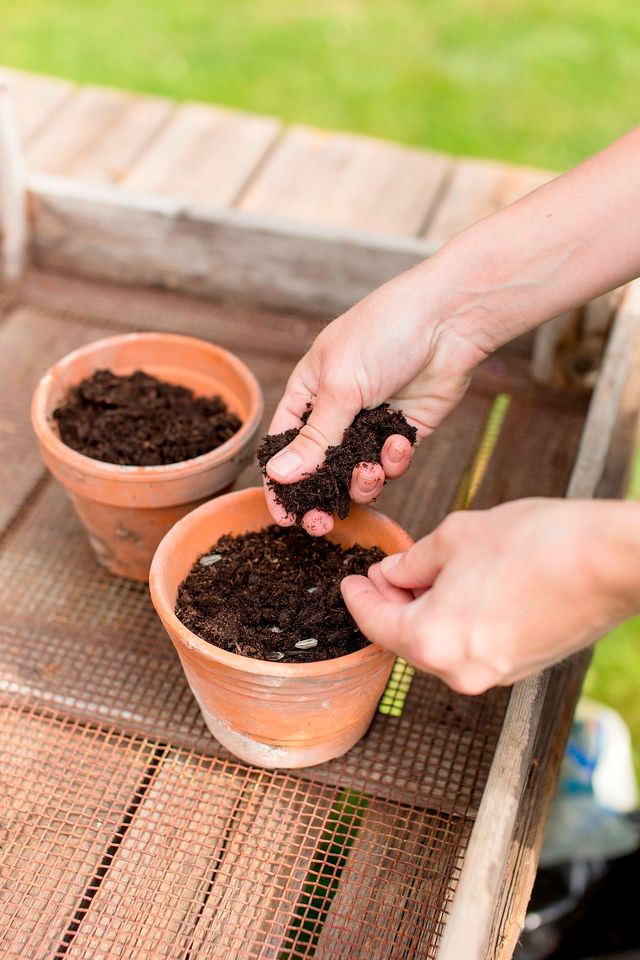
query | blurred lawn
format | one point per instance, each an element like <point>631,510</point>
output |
<point>539,82</point>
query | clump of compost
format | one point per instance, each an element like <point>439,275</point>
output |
<point>274,595</point>
<point>140,420</point>
<point>328,488</point>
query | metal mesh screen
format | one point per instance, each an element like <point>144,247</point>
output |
<point>128,831</point>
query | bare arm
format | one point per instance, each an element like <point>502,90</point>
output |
<point>416,340</point>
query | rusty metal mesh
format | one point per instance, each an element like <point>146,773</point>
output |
<point>128,831</point>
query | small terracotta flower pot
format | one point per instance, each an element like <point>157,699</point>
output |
<point>127,510</point>
<point>268,713</point>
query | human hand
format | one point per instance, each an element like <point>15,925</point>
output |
<point>396,345</point>
<point>495,595</point>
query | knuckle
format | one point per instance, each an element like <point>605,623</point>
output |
<point>313,435</point>
<point>453,526</point>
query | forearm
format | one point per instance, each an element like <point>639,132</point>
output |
<point>567,242</point>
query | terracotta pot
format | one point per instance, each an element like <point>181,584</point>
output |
<point>127,510</point>
<point>268,713</point>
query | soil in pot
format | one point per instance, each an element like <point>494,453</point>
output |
<point>328,488</point>
<point>274,594</point>
<point>141,420</point>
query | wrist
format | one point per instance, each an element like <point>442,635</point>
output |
<point>616,549</point>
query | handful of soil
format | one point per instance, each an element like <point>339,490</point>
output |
<point>328,488</point>
<point>142,421</point>
<point>274,595</point>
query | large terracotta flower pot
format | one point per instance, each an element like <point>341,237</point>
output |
<point>127,510</point>
<point>268,713</point>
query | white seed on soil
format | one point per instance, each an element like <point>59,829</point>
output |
<point>275,630</point>
<point>306,644</point>
<point>274,656</point>
<point>312,589</point>
<point>210,559</point>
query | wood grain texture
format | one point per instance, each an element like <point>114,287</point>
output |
<point>476,189</point>
<point>97,134</point>
<point>252,900</point>
<point>204,154</point>
<point>65,790</point>
<point>13,194</point>
<point>109,235</point>
<point>321,177</point>
<point>151,897</point>
<point>393,894</point>
<point>37,99</point>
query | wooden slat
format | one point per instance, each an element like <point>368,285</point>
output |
<point>65,792</point>
<point>37,99</point>
<point>476,189</point>
<point>13,195</point>
<point>393,893</point>
<point>111,235</point>
<point>347,181</point>
<point>97,135</point>
<point>204,154</point>
<point>150,900</point>
<point>252,901</point>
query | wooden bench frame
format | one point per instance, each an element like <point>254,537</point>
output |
<point>103,233</point>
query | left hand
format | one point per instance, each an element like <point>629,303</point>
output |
<point>492,596</point>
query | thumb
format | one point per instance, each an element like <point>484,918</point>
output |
<point>325,428</point>
<point>379,619</point>
<point>418,567</point>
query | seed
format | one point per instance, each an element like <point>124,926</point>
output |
<point>275,630</point>
<point>312,589</point>
<point>274,656</point>
<point>306,644</point>
<point>210,559</point>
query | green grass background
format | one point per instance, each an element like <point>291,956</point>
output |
<point>537,82</point>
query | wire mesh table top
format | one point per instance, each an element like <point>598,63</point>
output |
<point>129,832</point>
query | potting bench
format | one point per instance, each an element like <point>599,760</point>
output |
<point>129,832</point>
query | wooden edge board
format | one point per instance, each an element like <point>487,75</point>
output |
<point>102,233</point>
<point>13,207</point>
<point>477,897</point>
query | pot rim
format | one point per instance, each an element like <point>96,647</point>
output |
<point>133,473</point>
<point>165,608</point>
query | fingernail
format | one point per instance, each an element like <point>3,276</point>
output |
<point>396,452</point>
<point>388,563</point>
<point>285,463</point>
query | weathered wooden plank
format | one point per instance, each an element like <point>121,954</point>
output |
<point>107,234</point>
<point>477,919</point>
<point>150,899</point>
<point>204,154</point>
<point>271,846</point>
<point>525,844</point>
<point>476,189</point>
<point>97,134</point>
<point>13,195</point>
<point>37,99</point>
<point>343,180</point>
<point>395,887</point>
<point>66,790</point>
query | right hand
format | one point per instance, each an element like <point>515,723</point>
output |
<point>396,345</point>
